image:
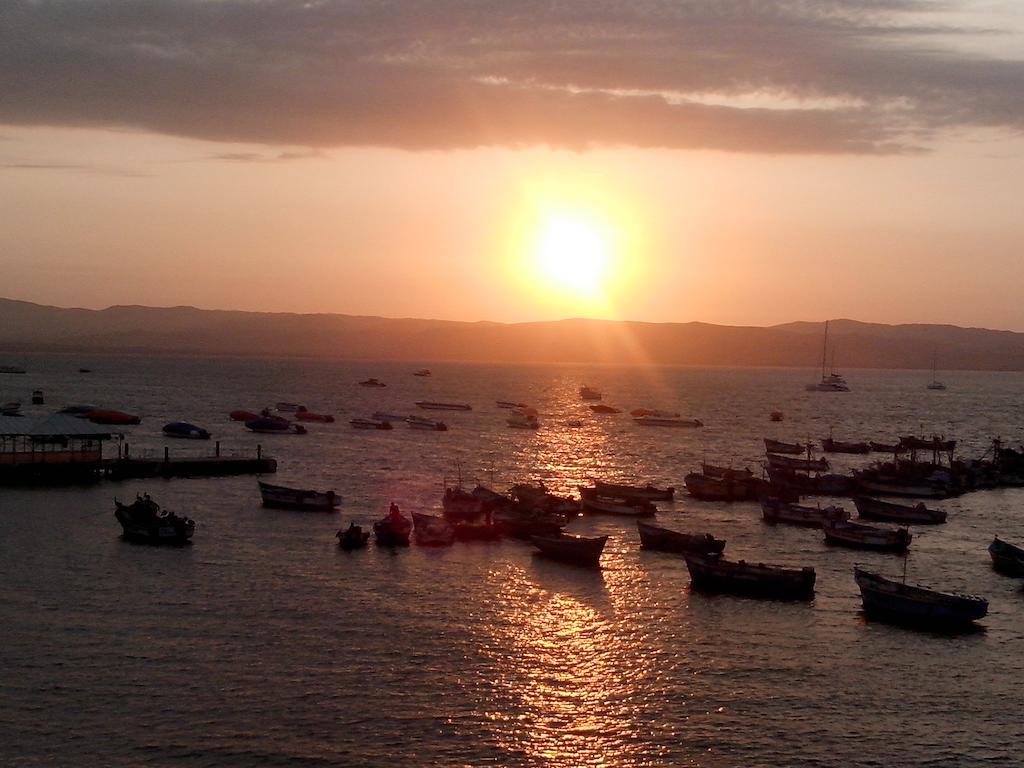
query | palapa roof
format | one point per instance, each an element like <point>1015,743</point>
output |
<point>54,425</point>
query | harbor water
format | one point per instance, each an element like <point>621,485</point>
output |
<point>264,644</point>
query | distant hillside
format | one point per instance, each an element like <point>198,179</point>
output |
<point>27,327</point>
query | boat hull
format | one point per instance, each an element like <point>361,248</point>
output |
<point>857,536</point>
<point>280,497</point>
<point>1007,559</point>
<point>646,493</point>
<point>666,540</point>
<point>896,603</point>
<point>391,534</point>
<point>775,511</point>
<point>873,509</point>
<point>575,550</point>
<point>713,574</point>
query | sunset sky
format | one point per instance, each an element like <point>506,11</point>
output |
<point>720,160</point>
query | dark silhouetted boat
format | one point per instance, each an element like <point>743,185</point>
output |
<point>393,530</point>
<point>909,488</point>
<point>274,425</point>
<point>577,550</point>
<point>78,411</point>
<point>777,511</point>
<point>592,501</point>
<point>726,473</point>
<point>460,504</point>
<point>934,443</point>
<point>144,522</point>
<point>828,445</point>
<point>432,531</point>
<point>885,447</point>
<point>797,465</point>
<point>919,514</point>
<point>370,424</point>
<point>11,369</point>
<point>185,430</point>
<point>843,533</point>
<point>792,449</point>
<point>1007,559</point>
<point>587,393</point>
<point>241,415</point>
<point>602,408</point>
<point>895,602</point>
<point>667,540</point>
<point>423,372</point>
<point>372,383</point>
<point>508,404</point>
<point>715,574</point>
<point>662,421</point>
<point>418,422</point>
<point>721,489</point>
<point>432,405</point>
<point>289,407</point>
<point>353,537</point>
<point>643,492</point>
<point>466,530</point>
<point>523,521</point>
<point>282,497</point>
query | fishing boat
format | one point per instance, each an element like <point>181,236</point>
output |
<point>385,416</point>
<point>508,404</point>
<point>776,511</point>
<point>649,412</point>
<point>602,408</point>
<point>885,447</point>
<point>859,536</point>
<point>322,418</point>
<point>430,405</point>
<point>588,393</point>
<point>1007,558</point>
<point>919,514</point>
<point>610,505</point>
<point>359,423</point>
<point>577,550</point>
<point>460,504</point>
<point>896,602</point>
<point>525,418</point>
<point>353,537</point>
<point>911,489</point>
<point>143,521</point>
<point>418,422</point>
<point>934,443</point>
<point>99,416</point>
<point>372,383</point>
<point>667,540</point>
<point>78,411</point>
<point>423,372</point>
<point>721,489</point>
<point>642,492</point>
<point>432,531</point>
<point>243,416</point>
<point>274,425</point>
<point>935,384</point>
<point>393,530</point>
<point>522,522</point>
<point>792,449</point>
<point>37,397</point>
<point>659,421</point>
<point>282,497</point>
<point>828,445</point>
<point>831,382</point>
<point>797,465</point>
<point>185,430</point>
<point>716,574</point>
<point>726,473</point>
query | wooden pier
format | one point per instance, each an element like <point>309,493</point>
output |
<point>211,466</point>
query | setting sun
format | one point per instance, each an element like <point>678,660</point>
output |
<point>573,254</point>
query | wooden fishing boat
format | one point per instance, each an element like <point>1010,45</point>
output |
<point>274,425</point>
<point>610,505</point>
<point>659,421</point>
<point>650,412</point>
<point>523,522</point>
<point>667,540</point>
<point>1007,558</point>
<point>843,533</point>
<point>586,393</point>
<point>418,422</point>
<point>726,473</point>
<point>432,531</point>
<point>578,550</point>
<point>720,489</point>
<point>144,522</point>
<point>393,530</point>
<point>918,514</point>
<point>646,492</point>
<point>828,445</point>
<point>282,497</point>
<point>185,431</point>
<point>775,511</point>
<point>893,601</point>
<point>460,504</point>
<point>385,416</point>
<point>602,408</point>
<point>911,489</point>
<point>885,447</point>
<point>798,465</point>
<point>792,449</point>
<point>430,405</point>
<point>360,423</point>
<point>509,405</point>
<point>715,574</point>
<point>353,537</point>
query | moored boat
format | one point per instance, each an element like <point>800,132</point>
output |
<point>359,423</point>
<point>650,412</point>
<point>726,473</point>
<point>423,372</point>
<point>778,446</point>
<point>289,407</point>
<point>610,505</point>
<point>659,421</point>
<point>1007,558</point>
<point>715,574</point>
<point>524,418</point>
<point>432,531</point>
<point>372,383</point>
<point>775,511</point>
<point>78,411</point>
<point>433,405</point>
<point>353,537</point>
<point>797,465</point>
<point>643,492</point>
<point>185,430</point>
<point>885,447</point>
<point>241,415</point>
<point>385,416</point>
<point>393,530</point>
<point>508,404</point>
<point>120,418</point>
<point>895,602</point>
<point>667,540</point>
<point>859,536</point>
<point>418,422</point>
<point>919,514</point>
<point>912,489</point>
<point>602,408</point>
<point>588,393</point>
<point>282,497</point>
<point>12,408</point>
<point>274,425</point>
<point>568,548</point>
<point>522,522</point>
<point>721,489</point>
<point>476,531</point>
<point>143,521</point>
<point>828,445</point>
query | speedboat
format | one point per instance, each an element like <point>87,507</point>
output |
<point>185,430</point>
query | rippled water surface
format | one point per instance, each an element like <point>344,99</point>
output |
<point>263,644</point>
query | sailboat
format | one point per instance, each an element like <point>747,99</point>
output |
<point>935,383</point>
<point>832,381</point>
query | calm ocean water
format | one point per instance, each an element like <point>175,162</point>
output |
<point>263,644</point>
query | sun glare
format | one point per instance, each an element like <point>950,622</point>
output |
<point>572,254</point>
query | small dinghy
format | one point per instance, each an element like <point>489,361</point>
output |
<point>567,548</point>
<point>353,537</point>
<point>282,497</point>
<point>592,501</point>
<point>667,540</point>
<point>393,530</point>
<point>144,522</point>
<point>185,430</point>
